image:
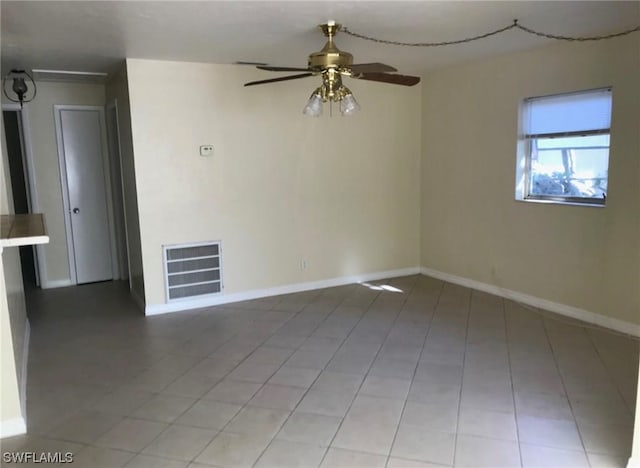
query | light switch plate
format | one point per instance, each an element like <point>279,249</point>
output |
<point>206,150</point>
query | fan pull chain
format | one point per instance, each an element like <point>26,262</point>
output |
<point>514,25</point>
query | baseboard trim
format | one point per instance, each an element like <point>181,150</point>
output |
<point>12,427</point>
<point>562,309</point>
<point>56,284</point>
<point>156,309</point>
<point>23,374</point>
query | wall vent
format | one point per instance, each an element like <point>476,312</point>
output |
<point>192,270</point>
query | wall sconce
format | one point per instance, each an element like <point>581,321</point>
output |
<point>19,86</point>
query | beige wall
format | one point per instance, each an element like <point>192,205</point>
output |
<point>471,225</point>
<point>13,319</point>
<point>342,193</point>
<point>47,172</point>
<point>117,89</point>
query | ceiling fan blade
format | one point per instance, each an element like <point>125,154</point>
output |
<point>404,80</point>
<point>249,63</point>
<point>372,68</point>
<point>282,78</point>
<point>289,69</point>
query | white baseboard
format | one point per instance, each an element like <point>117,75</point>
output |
<point>23,374</point>
<point>208,301</point>
<point>12,427</point>
<point>46,284</point>
<point>628,328</point>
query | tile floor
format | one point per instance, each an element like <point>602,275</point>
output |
<point>407,372</point>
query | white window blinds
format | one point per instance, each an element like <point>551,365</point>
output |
<point>586,111</point>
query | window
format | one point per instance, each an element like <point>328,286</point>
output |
<point>566,147</point>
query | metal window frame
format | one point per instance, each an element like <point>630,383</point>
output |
<point>570,93</point>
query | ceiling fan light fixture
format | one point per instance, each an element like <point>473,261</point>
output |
<point>314,105</point>
<point>331,64</point>
<point>348,103</point>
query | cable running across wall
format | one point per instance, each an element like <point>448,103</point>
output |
<point>514,25</point>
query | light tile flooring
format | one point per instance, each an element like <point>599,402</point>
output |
<point>407,372</point>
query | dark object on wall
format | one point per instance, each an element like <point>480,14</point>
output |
<point>19,86</point>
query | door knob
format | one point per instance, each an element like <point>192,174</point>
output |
<point>76,210</point>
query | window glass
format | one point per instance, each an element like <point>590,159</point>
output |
<point>567,155</point>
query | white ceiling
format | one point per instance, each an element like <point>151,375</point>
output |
<point>96,36</point>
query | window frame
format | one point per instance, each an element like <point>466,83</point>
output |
<point>529,140</point>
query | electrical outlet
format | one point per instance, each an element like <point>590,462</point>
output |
<point>206,150</point>
<point>303,264</point>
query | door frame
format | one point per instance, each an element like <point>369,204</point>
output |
<point>32,191</point>
<point>66,207</point>
<point>112,106</point>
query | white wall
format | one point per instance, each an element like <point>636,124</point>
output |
<point>117,89</point>
<point>341,193</point>
<point>634,461</point>
<point>12,322</point>
<point>13,318</point>
<point>472,227</point>
<point>47,173</point>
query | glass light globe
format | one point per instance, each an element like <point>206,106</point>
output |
<point>349,105</point>
<point>314,106</point>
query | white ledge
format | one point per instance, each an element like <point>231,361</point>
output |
<point>22,229</point>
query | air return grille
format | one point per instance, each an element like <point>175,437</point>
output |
<point>192,270</point>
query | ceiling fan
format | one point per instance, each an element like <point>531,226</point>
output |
<point>332,64</point>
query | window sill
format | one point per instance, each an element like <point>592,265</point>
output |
<point>560,202</point>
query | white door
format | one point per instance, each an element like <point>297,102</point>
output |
<point>82,167</point>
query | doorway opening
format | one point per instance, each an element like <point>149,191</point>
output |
<point>21,187</point>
